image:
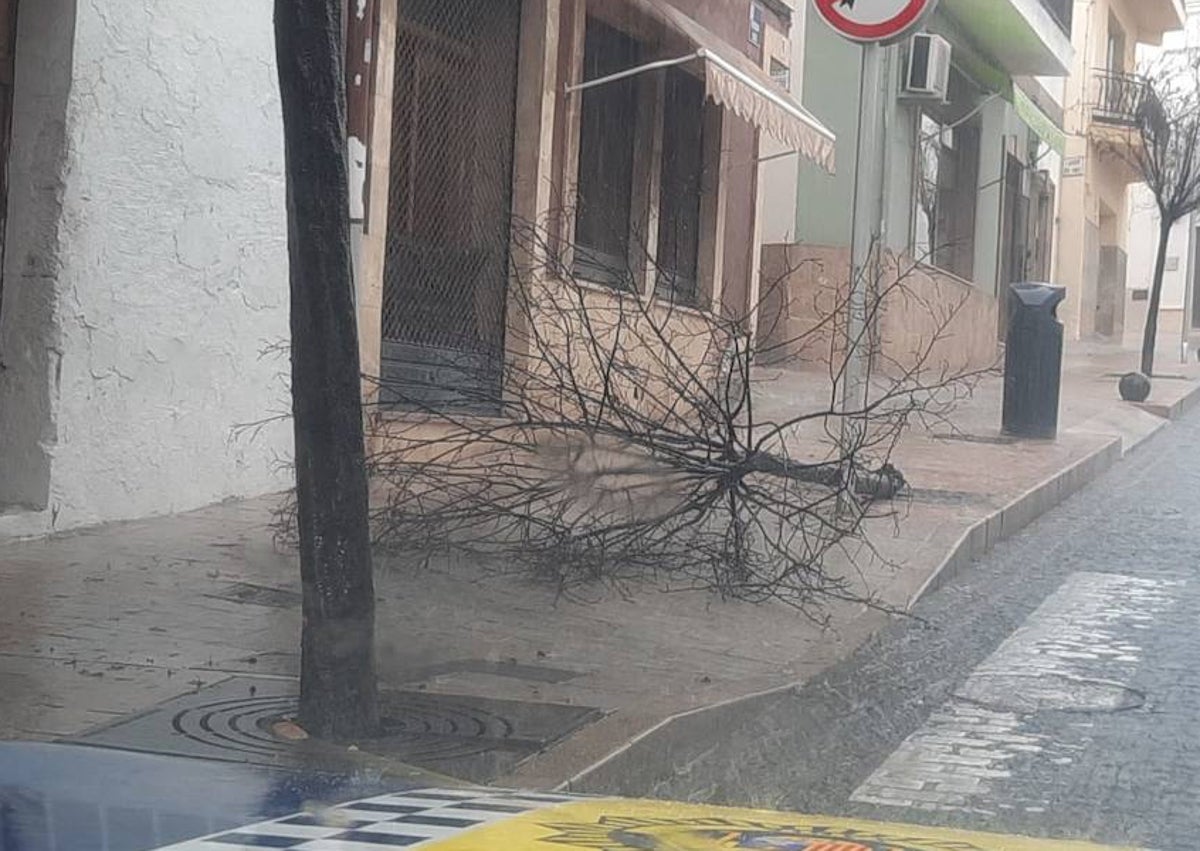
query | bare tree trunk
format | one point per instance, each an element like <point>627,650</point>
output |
<point>1150,334</point>
<point>337,659</point>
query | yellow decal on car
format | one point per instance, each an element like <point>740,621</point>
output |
<point>616,825</point>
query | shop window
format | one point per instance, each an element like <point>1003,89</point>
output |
<point>947,192</point>
<point>681,186</point>
<point>946,180</point>
<point>608,119</point>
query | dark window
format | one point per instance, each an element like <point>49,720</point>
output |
<point>947,191</point>
<point>757,24</point>
<point>1115,57</point>
<point>1061,11</point>
<point>781,74</point>
<point>958,189</point>
<point>681,186</point>
<point>947,180</point>
<point>1014,227</point>
<point>608,115</point>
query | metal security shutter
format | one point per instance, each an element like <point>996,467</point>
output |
<point>446,267</point>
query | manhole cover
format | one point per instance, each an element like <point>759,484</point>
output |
<point>1029,694</point>
<point>468,737</point>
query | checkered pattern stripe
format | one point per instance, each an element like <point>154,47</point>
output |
<point>406,820</point>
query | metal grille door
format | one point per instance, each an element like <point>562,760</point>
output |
<point>446,268</point>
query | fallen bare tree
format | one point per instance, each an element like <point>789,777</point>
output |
<point>628,439</point>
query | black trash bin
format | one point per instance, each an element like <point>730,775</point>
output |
<point>1033,360</point>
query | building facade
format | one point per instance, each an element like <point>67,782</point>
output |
<point>1103,93</point>
<point>144,305</point>
<point>969,175</point>
<point>625,134</point>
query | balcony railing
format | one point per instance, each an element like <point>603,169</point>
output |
<point>1061,11</point>
<point>1127,100</point>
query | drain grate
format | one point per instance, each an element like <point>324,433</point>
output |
<point>273,663</point>
<point>934,496</point>
<point>224,721</point>
<point>468,737</point>
<point>258,595</point>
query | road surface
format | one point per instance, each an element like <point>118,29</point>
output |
<point>1051,690</point>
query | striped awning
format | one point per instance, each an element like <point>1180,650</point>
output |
<point>735,82</point>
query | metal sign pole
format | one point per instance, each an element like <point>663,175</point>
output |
<point>871,23</point>
<point>867,221</point>
<point>1189,288</point>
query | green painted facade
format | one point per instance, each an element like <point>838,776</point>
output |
<point>832,79</point>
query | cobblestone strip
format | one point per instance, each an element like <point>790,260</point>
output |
<point>1086,631</point>
<point>1087,628</point>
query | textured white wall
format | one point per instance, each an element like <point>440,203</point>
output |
<point>173,267</point>
<point>1143,250</point>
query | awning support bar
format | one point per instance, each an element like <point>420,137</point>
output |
<point>723,64</point>
<point>640,69</point>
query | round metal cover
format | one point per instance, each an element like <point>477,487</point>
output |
<point>1028,694</point>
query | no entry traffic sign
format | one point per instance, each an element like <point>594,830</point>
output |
<point>874,20</point>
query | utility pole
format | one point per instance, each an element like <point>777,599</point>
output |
<point>867,227</point>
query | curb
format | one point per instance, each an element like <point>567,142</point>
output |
<point>674,740</point>
<point>1176,409</point>
<point>677,741</point>
<point>1019,513</point>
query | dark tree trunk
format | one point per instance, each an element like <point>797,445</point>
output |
<point>1150,334</point>
<point>337,657</point>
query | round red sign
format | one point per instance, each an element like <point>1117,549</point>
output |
<point>874,20</point>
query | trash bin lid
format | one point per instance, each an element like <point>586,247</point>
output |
<point>1038,295</point>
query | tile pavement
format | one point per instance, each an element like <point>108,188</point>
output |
<point>97,624</point>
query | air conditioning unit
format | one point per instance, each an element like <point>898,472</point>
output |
<point>928,67</point>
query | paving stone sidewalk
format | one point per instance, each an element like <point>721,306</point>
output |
<point>98,624</point>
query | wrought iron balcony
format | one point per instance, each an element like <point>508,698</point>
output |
<point>1125,100</point>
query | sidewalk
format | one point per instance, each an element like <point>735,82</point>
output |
<point>99,624</point>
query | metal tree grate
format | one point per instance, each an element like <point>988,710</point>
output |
<point>446,265</point>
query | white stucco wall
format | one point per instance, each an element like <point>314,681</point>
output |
<point>1143,248</point>
<point>1143,216</point>
<point>172,268</point>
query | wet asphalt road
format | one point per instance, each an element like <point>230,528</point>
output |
<point>1053,690</point>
